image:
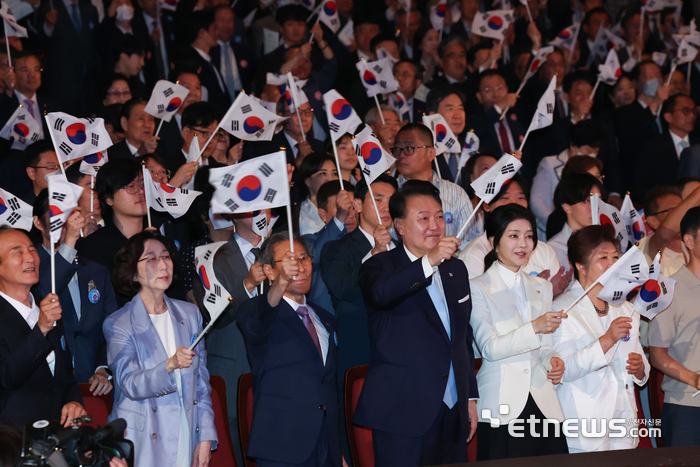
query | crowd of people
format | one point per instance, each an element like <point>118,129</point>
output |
<point>386,273</point>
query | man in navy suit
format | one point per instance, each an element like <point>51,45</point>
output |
<point>232,55</point>
<point>419,394</point>
<point>86,294</point>
<point>292,351</point>
<point>36,374</point>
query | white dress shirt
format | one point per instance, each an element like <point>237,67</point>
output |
<point>309,220</point>
<point>321,330</point>
<point>559,245</point>
<point>515,287</point>
<point>371,241</point>
<point>132,149</point>
<point>245,246</point>
<point>679,143</point>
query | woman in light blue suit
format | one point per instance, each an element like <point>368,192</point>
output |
<point>512,321</point>
<point>161,388</point>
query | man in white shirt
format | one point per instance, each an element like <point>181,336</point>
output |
<point>35,362</point>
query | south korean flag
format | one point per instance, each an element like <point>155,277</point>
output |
<point>373,159</point>
<point>75,138</point>
<point>445,140</point>
<point>23,128</point>
<point>257,184</point>
<point>166,198</point>
<point>166,99</point>
<point>250,121</point>
<point>626,274</point>
<point>607,214</point>
<point>490,183</point>
<point>216,297</point>
<point>91,164</point>
<point>377,77</point>
<point>14,212</point>
<point>63,198</point>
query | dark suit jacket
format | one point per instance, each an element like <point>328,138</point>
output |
<point>690,162</point>
<point>28,390</point>
<point>483,125</point>
<point>140,28</point>
<point>8,105</point>
<point>255,149</point>
<point>319,292</point>
<point>292,388</point>
<point>340,270</point>
<point>119,151</point>
<point>411,352</point>
<point>217,96</point>
<point>634,126</point>
<point>84,337</point>
<point>245,60</point>
<point>170,142</point>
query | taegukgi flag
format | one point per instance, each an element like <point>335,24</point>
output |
<point>250,121</point>
<point>74,137</point>
<point>493,24</point>
<point>342,118</point>
<point>493,180</point>
<point>216,297</point>
<point>14,212</point>
<point>91,164</point>
<point>63,198</point>
<point>373,159</point>
<point>445,140</point>
<point>23,128</point>
<point>166,198</point>
<point>656,294</point>
<point>165,99</point>
<point>626,274</point>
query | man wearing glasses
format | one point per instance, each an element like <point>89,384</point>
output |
<point>414,150</point>
<point>138,127</point>
<point>292,349</point>
<point>40,160</point>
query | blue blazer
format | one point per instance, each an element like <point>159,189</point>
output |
<point>319,292</point>
<point>84,337</point>
<point>145,395</point>
<point>411,351</point>
<point>292,389</point>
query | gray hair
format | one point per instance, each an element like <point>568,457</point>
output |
<point>372,117</point>
<point>268,246</point>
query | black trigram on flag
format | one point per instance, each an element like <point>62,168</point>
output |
<point>95,139</point>
<point>651,269</point>
<point>56,224</point>
<point>550,108</point>
<point>652,306</point>
<point>35,137</point>
<point>246,109</point>
<point>211,298</point>
<point>226,181</point>
<point>449,143</point>
<point>616,218</point>
<point>490,188</point>
<point>22,140</point>
<point>207,255</point>
<point>366,171</point>
<point>13,204</point>
<point>160,203</point>
<point>235,125</point>
<point>617,295</point>
<point>634,268</point>
<point>266,169</point>
<point>259,133</point>
<point>184,191</point>
<point>633,213</point>
<point>684,52</point>
<point>65,149</point>
<point>482,29</point>
<point>161,108</point>
<point>261,224</point>
<point>168,92</point>
<point>378,69</point>
<point>231,204</point>
<point>90,120</point>
<point>13,218</point>
<point>663,288</point>
<point>507,169</point>
<point>382,83</point>
<point>21,118</point>
<point>270,195</point>
<point>60,197</point>
<point>334,22</point>
<point>171,201</point>
<point>58,124</point>
<point>217,290</point>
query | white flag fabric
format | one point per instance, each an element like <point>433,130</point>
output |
<point>193,154</point>
<point>633,221</point>
<point>492,24</point>
<point>250,121</point>
<point>567,38</point>
<point>654,5</point>
<point>216,297</point>
<point>10,23</point>
<point>264,221</point>
<point>91,164</point>
<point>377,77</point>
<point>347,34</point>
<point>23,128</point>
<point>686,52</point>
<point>329,15</point>
<point>471,144</point>
<point>613,40</point>
<point>540,56</point>
<point>603,213</point>
<point>166,198</point>
<point>294,92</point>
<point>490,183</point>
<point>445,140</point>
<point>399,103</point>
<point>628,273</point>
<point>168,4</point>
<point>14,212</point>
<point>656,294</point>
<point>659,58</point>
<point>437,15</point>
<point>610,71</point>
<point>165,99</point>
<point>383,53</point>
<point>63,198</point>
<point>74,138</point>
<point>374,160</point>
<point>342,118</point>
<point>544,116</point>
<point>249,186</point>
<point>692,35</point>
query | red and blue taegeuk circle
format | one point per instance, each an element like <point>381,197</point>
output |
<point>637,231</point>
<point>3,206</point>
<point>249,188</point>
<point>76,133</point>
<point>329,8</point>
<point>495,23</point>
<point>440,132</point>
<point>371,153</point>
<point>605,220</point>
<point>650,291</point>
<point>535,65</point>
<point>441,10</point>
<point>167,188</point>
<point>174,104</point>
<point>252,124</point>
<point>564,34</point>
<point>93,158</point>
<point>54,211</point>
<point>203,277</point>
<point>369,78</point>
<point>341,109</point>
<point>21,129</point>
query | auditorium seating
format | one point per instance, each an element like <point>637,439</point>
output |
<point>224,455</point>
<point>245,413</point>
<point>99,407</point>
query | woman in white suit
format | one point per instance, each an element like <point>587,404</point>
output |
<point>512,322</point>
<point>161,388</point>
<point>599,344</point>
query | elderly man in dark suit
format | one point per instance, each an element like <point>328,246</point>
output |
<point>419,394</point>
<point>36,373</point>
<point>293,354</point>
<point>233,55</point>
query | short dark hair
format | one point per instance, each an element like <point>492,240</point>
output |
<point>593,11</point>
<point>309,166</point>
<point>10,444</point>
<point>112,116</point>
<point>143,160</point>
<point>576,188</point>
<point>399,200</point>
<point>586,133</point>
<point>423,132</point>
<point>471,53</point>
<point>379,38</point>
<point>73,173</point>
<point>417,67</point>
<point>41,206</point>
<point>573,78</point>
<point>498,221</point>
<point>127,260</point>
<point>129,105</point>
<point>669,106</point>
<point>629,13</point>
<point>691,222</point>
<point>201,114</point>
<point>581,165</point>
<point>179,70</point>
<point>196,21</point>
<point>129,45</point>
<point>438,94</point>
<point>361,189</point>
<point>32,155</point>
<point>651,199</point>
<point>448,41</point>
<point>637,70</point>
<point>113,176</point>
<point>583,242</point>
<point>268,246</point>
<point>291,13</point>
<point>521,181</point>
<point>107,81</point>
<point>487,74</point>
<point>328,190</point>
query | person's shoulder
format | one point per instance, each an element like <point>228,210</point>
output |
<point>119,319</point>
<point>450,188</point>
<point>323,314</point>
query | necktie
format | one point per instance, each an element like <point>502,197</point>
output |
<point>254,253</point>
<point>452,162</point>
<point>160,67</point>
<point>503,136</point>
<point>682,145</point>
<point>75,17</point>
<point>450,396</point>
<point>32,110</point>
<point>228,68</point>
<point>304,313</point>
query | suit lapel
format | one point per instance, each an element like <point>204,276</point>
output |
<point>501,294</point>
<point>291,319</point>
<point>235,260</point>
<point>360,242</point>
<point>146,331</point>
<point>560,166</point>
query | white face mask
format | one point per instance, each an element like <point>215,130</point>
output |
<point>125,13</point>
